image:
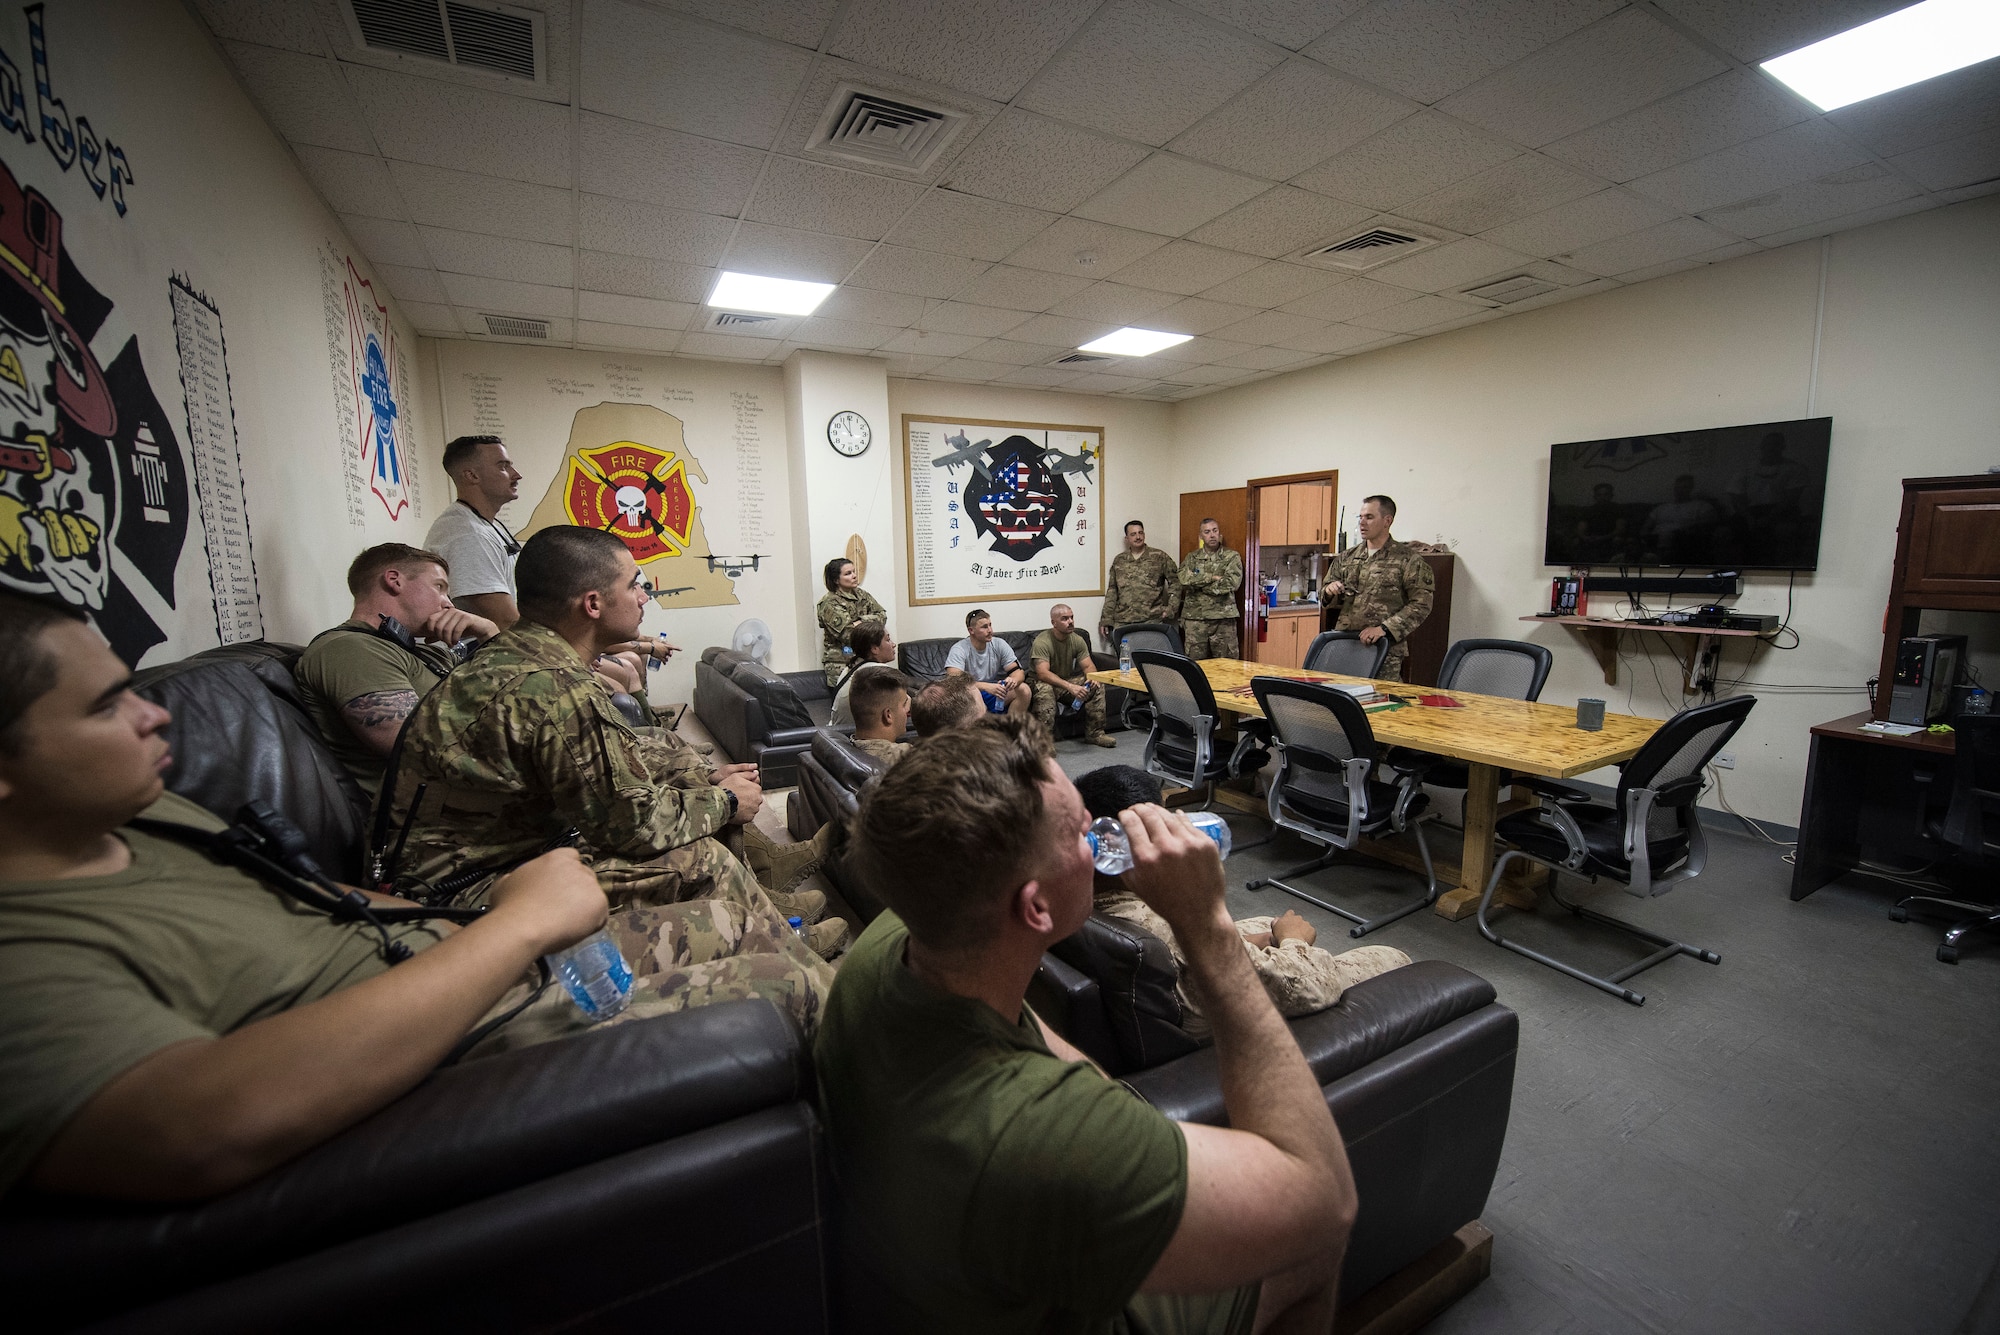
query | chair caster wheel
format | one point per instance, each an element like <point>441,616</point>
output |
<point>1947,954</point>
<point>1899,914</point>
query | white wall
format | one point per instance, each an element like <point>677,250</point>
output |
<point>216,198</point>
<point>835,497</point>
<point>1457,429</point>
<point>1138,484</point>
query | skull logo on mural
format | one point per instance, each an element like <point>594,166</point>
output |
<point>1021,501</point>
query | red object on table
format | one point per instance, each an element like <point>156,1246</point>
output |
<point>1439,702</point>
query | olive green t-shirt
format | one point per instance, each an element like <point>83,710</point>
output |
<point>1063,656</point>
<point>344,664</point>
<point>990,1186</point>
<point>98,973</point>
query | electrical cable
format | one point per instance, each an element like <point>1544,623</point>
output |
<point>1722,800</point>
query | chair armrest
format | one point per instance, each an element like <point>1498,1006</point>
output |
<point>1550,788</point>
<point>790,738</point>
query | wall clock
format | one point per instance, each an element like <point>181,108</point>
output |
<point>848,433</point>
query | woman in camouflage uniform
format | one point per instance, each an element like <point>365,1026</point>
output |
<point>846,602</point>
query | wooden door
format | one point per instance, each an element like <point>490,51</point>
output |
<point>1954,544</point>
<point>1229,507</point>
<point>1274,516</point>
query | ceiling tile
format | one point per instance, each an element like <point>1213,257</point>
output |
<point>1527,184</point>
<point>1336,338</point>
<point>1027,159</point>
<point>1193,315</point>
<point>800,22</point>
<point>933,345</point>
<point>303,96</point>
<point>1963,102</point>
<point>1057,331</point>
<point>465,129</point>
<point>965,368</point>
<point>1186,267</point>
<point>356,183</point>
<point>1145,70</point>
<point>500,257</point>
<point>631,276</point>
<point>1449,266</point>
<point>1085,249</point>
<point>289,26</point>
<point>962,317</point>
<point>732,347</point>
<point>906,365</point>
<point>1271,284</point>
<point>1269,359</point>
<point>1756,30</point>
<point>1217,375</point>
<point>1281,220</point>
<point>980,229</point>
<point>1690,262</point>
<point>1612,66</point>
<point>1047,377</point>
<point>1290,23</point>
<point>1469,318</point>
<point>1406,161</point>
<point>1021,289</point>
<point>412,284</point>
<point>1580,222</point>
<point>1824,226</point>
<point>469,319</point>
<point>895,309</point>
<point>1298,114</point>
<point>990,48</point>
<point>782,252</point>
<point>1201,351</point>
<point>923,273</point>
<point>1797,153</point>
<point>1713,115</point>
<point>1347,299</point>
<point>1955,162</point>
<point>472,203</point>
<point>628,227</point>
<point>386,242</point>
<point>638,338</point>
<point>431,319</point>
<point>610,308</point>
<point>1655,245</point>
<point>1426,49</point>
<point>644,65</point>
<point>1831,196</point>
<point>1412,315</point>
<point>502,297</point>
<point>632,161</point>
<point>819,198</point>
<point>1017,354</point>
<point>1114,303</point>
<point>1099,381</point>
<point>1169,195</point>
<point>1268,327</point>
<point>841,333</point>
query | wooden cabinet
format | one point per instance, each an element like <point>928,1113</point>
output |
<point>1274,516</point>
<point>1289,633</point>
<point>1295,514</point>
<point>1947,558</point>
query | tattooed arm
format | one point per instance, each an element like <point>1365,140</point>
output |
<point>378,716</point>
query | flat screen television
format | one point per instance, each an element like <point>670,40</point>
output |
<point>1730,498</point>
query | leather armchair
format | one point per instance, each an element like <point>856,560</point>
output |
<point>831,776</point>
<point>755,714</point>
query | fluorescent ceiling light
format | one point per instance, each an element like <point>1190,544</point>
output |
<point>776,296</point>
<point>1895,51</point>
<point>1130,342</point>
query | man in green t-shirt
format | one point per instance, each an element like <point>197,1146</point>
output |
<point>1061,657</point>
<point>171,1028</point>
<point>994,1180</point>
<point>362,678</point>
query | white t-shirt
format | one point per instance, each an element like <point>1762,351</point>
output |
<point>996,662</point>
<point>477,550</point>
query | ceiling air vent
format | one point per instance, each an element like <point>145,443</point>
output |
<point>513,326</point>
<point>738,322</point>
<point>884,131</point>
<point>497,38</point>
<point>1078,359</point>
<point>1368,249</point>
<point>1507,291</point>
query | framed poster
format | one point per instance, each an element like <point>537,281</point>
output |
<point>1002,510</point>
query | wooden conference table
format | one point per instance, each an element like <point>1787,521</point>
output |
<point>1489,734</point>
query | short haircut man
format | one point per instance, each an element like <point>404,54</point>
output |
<point>1061,663</point>
<point>1387,505</point>
<point>562,563</point>
<point>950,703</point>
<point>881,697</point>
<point>363,571</point>
<point>469,534</point>
<point>991,664</point>
<point>1131,524</point>
<point>993,1178</point>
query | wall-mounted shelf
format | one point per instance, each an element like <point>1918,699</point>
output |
<point>1601,634</point>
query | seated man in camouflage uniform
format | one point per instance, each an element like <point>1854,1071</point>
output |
<point>1061,657</point>
<point>522,743</point>
<point>1384,587</point>
<point>176,1027</point>
<point>881,698</point>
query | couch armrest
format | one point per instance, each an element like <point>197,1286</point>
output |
<point>1069,1001</point>
<point>467,1133</point>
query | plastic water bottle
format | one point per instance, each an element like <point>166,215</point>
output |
<point>798,926</point>
<point>1978,702</point>
<point>594,974</point>
<point>1125,655</point>
<point>1111,851</point>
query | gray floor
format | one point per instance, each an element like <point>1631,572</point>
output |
<point>1803,1138</point>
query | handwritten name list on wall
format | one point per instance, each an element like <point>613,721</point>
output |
<point>218,464</point>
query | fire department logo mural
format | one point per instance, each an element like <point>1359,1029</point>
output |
<point>636,492</point>
<point>1022,500</point>
<point>371,341</point>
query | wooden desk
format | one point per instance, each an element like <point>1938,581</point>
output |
<point>1489,734</point>
<point>1866,790</point>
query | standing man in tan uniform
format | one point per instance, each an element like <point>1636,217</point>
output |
<point>1385,587</point>
<point>1144,585</point>
<point>1210,575</point>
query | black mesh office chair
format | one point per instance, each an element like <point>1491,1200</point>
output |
<point>1181,745</point>
<point>1343,652</point>
<point>1648,840</point>
<point>1155,635</point>
<point>1328,788</point>
<point>1511,669</point>
<point>1969,828</point>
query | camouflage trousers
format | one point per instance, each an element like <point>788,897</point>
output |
<point>1047,705</point>
<point>1210,639</point>
<point>683,956</point>
<point>1392,666</point>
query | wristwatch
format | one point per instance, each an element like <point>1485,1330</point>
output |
<point>730,793</point>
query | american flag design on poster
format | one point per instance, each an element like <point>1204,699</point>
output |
<point>1023,503</point>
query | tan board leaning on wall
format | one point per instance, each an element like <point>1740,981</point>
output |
<point>857,552</point>
<point>627,470</point>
